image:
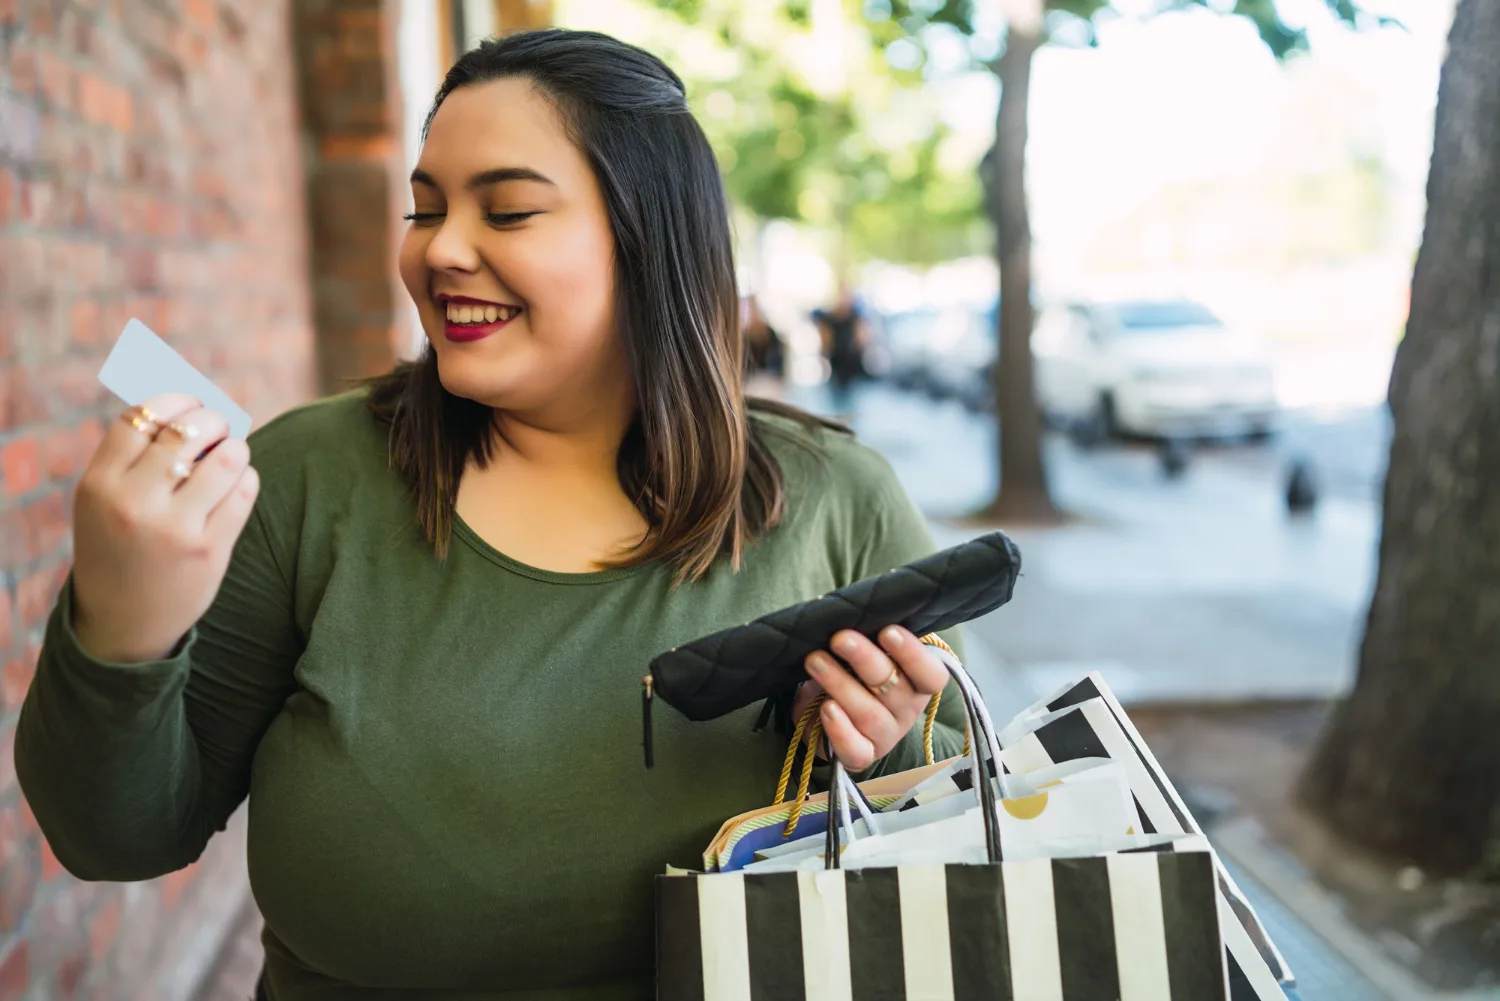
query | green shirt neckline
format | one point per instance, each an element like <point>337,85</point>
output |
<point>473,541</point>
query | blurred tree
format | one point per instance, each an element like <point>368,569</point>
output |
<point>797,148</point>
<point>1027,26</point>
<point>1410,764</point>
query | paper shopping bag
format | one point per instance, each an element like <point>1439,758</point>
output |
<point>1084,720</point>
<point>1126,927</point>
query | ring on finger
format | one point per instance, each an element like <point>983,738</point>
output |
<point>142,420</point>
<point>185,432</point>
<point>181,470</point>
<point>890,682</point>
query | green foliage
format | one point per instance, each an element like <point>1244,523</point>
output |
<point>791,152</point>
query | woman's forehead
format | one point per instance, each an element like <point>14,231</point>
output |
<point>498,123</point>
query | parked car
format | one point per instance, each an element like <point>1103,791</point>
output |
<point>1159,368</point>
<point>961,353</point>
<point>901,348</point>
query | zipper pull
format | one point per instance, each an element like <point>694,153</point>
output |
<point>648,693</point>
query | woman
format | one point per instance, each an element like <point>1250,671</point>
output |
<point>422,663</point>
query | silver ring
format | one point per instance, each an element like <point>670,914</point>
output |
<point>181,470</point>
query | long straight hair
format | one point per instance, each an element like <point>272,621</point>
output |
<point>694,462</point>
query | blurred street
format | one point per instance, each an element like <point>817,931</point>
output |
<point>1194,588</point>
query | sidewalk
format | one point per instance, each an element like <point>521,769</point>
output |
<point>1189,590</point>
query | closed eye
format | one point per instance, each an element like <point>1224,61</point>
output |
<point>422,217</point>
<point>509,218</point>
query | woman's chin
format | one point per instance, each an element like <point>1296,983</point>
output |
<point>464,378</point>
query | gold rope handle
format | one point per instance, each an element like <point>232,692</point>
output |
<point>810,725</point>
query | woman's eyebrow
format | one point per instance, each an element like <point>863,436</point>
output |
<point>485,178</point>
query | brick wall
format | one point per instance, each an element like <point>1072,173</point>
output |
<point>150,166</point>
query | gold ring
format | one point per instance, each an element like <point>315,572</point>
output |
<point>888,683</point>
<point>142,420</point>
<point>184,431</point>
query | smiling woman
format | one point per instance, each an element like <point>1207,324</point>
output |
<point>419,654</point>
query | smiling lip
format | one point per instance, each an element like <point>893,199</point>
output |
<point>463,333</point>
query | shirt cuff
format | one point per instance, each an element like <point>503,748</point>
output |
<point>128,683</point>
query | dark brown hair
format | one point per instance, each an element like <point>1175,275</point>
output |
<point>695,461</point>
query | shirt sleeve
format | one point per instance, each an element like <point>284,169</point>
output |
<point>895,533</point>
<point>130,769</point>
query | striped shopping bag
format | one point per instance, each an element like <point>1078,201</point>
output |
<point>1124,927</point>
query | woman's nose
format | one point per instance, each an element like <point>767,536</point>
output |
<point>451,249</point>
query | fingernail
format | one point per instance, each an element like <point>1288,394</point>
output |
<point>834,710</point>
<point>892,637</point>
<point>845,643</point>
<point>817,664</point>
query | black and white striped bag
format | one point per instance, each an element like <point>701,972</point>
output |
<point>1127,927</point>
<point>1122,927</point>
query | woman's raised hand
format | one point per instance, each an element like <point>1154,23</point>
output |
<point>153,527</point>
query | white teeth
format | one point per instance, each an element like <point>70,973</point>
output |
<point>479,314</point>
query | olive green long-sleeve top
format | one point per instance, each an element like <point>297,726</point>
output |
<point>443,758</point>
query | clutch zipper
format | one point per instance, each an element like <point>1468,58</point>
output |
<point>648,695</point>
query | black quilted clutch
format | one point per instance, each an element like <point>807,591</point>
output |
<point>734,668</point>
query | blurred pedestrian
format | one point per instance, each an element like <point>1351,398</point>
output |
<point>845,334</point>
<point>765,352</point>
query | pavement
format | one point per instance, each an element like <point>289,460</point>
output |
<point>1199,588</point>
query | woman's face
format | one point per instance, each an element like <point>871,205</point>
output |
<point>510,258</point>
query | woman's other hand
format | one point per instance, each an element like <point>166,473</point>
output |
<point>875,700</point>
<point>153,527</point>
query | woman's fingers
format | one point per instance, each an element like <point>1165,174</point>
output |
<point>876,700</point>
<point>862,707</point>
<point>168,460</point>
<point>127,438</point>
<point>924,672</point>
<point>856,750</point>
<point>228,517</point>
<point>212,479</point>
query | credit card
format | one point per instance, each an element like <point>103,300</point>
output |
<point>142,365</point>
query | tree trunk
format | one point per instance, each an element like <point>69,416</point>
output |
<point>1410,764</point>
<point>1023,476</point>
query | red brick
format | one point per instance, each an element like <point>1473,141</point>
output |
<point>51,867</point>
<point>8,760</point>
<point>15,974</point>
<point>104,929</point>
<point>35,594</point>
<point>83,318</point>
<point>65,452</point>
<point>19,841</point>
<point>56,81</point>
<point>23,72</point>
<point>201,11</point>
<point>15,679</point>
<point>46,524</point>
<point>93,98</point>
<point>174,883</point>
<point>9,203</point>
<point>20,466</point>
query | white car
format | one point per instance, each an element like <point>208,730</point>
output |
<point>1159,368</point>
